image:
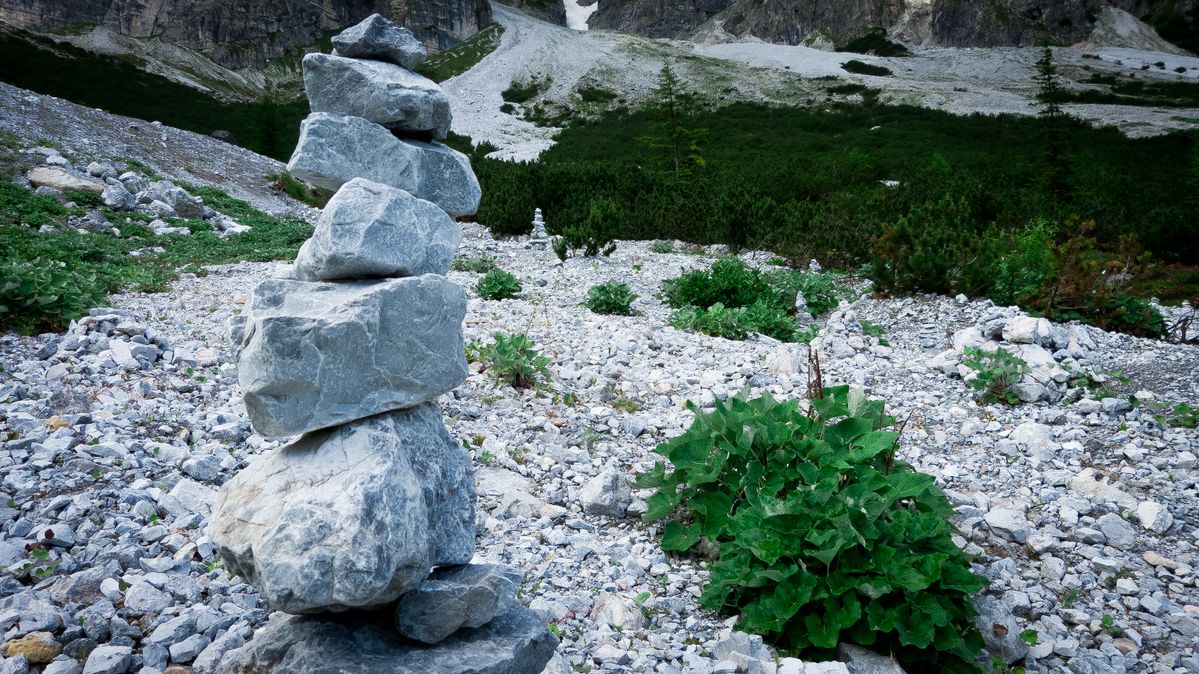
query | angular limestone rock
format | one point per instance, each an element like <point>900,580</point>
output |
<point>379,39</point>
<point>464,596</point>
<point>334,149</point>
<point>315,355</point>
<point>62,179</point>
<point>515,643</point>
<point>350,517</point>
<point>369,230</point>
<point>379,92</point>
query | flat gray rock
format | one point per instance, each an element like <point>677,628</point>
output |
<point>351,517</point>
<point>315,355</point>
<point>334,149</point>
<point>463,596</point>
<point>378,38</point>
<point>383,93</point>
<point>515,643</point>
<point>369,230</point>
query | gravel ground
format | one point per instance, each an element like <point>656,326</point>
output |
<point>117,434</point>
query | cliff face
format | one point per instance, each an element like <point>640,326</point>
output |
<point>956,23</point>
<point>236,33</point>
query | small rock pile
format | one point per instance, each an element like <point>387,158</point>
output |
<point>1056,355</point>
<point>353,517</point>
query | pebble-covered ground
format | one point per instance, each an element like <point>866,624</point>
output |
<point>117,434</point>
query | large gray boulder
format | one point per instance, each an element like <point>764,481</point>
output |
<point>334,149</point>
<point>350,517</point>
<point>453,598</point>
<point>379,92</point>
<point>315,355</point>
<point>369,230</point>
<point>378,38</point>
<point>515,643</point>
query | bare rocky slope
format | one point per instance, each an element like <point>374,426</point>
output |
<point>945,23</point>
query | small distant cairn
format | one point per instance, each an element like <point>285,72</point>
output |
<point>360,532</point>
<point>539,238</point>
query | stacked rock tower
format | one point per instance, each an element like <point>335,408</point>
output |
<point>363,528</point>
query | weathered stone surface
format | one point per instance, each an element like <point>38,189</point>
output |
<point>379,39</point>
<point>369,230</point>
<point>316,355</point>
<point>334,149</point>
<point>62,179</point>
<point>379,92</point>
<point>515,643</point>
<point>464,596</point>
<point>351,517</point>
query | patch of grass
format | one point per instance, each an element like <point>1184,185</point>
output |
<point>462,57</point>
<point>286,183</point>
<point>101,263</point>
<point>479,264</point>
<point>596,95</point>
<point>523,91</point>
<point>1137,92</point>
<point>861,68</point>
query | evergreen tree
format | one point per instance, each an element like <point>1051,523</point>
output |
<point>670,136</point>
<point>1051,94</point>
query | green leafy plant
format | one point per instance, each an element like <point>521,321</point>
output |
<point>513,360</point>
<point>872,329</point>
<point>661,247</point>
<point>498,284</point>
<point>823,535</point>
<point>997,371</point>
<point>612,297</point>
<point>43,295</point>
<point>479,264</point>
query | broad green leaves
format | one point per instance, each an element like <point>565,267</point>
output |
<point>822,536</point>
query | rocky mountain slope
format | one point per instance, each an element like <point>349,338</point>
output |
<point>238,50</point>
<point>240,34</point>
<point>947,23</point>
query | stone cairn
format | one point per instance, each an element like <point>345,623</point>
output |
<point>539,238</point>
<point>361,531</point>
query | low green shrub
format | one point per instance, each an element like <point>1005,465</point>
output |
<point>479,264</point>
<point>738,322</point>
<point>512,360</point>
<point>822,291</point>
<point>875,42</point>
<point>861,68</point>
<point>612,297</point>
<point>595,235</point>
<point>523,91</point>
<point>42,294</point>
<point>661,247</point>
<point>498,284</point>
<point>823,536</point>
<point>728,282</point>
<point>462,56</point>
<point>997,371</point>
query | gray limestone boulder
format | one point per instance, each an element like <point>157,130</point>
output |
<point>334,149</point>
<point>369,230</point>
<point>379,92</point>
<point>350,517</point>
<point>379,39</point>
<point>315,355</point>
<point>464,596</point>
<point>514,643</point>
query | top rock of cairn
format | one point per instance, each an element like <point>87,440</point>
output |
<point>381,40</point>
